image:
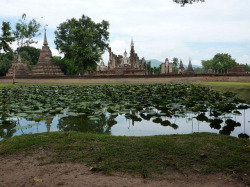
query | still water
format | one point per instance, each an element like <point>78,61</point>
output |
<point>139,125</point>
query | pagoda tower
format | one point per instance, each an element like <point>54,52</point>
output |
<point>181,68</point>
<point>190,69</point>
<point>45,65</point>
<point>132,55</point>
<point>21,68</point>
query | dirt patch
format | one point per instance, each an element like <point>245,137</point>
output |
<point>20,170</point>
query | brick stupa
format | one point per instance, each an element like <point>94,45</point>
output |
<point>181,69</point>
<point>45,65</point>
<point>190,69</point>
<point>237,70</point>
<point>22,69</point>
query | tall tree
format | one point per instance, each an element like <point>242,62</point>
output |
<point>183,2</point>
<point>24,35</point>
<point>6,37</point>
<point>175,65</point>
<point>221,62</point>
<point>30,55</point>
<point>82,42</point>
<point>26,31</point>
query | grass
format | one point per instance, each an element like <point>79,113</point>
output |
<point>146,156</point>
<point>242,89</point>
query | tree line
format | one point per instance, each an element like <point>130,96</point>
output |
<point>81,42</point>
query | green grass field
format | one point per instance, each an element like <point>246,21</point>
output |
<point>197,153</point>
<point>242,89</point>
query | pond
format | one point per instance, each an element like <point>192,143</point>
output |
<point>126,110</point>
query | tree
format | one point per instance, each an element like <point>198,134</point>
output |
<point>5,62</point>
<point>26,32</point>
<point>6,37</point>
<point>30,55</point>
<point>82,42</point>
<point>246,67</point>
<point>157,70</point>
<point>175,64</point>
<point>149,68</point>
<point>221,63</point>
<point>183,2</point>
<point>199,70</point>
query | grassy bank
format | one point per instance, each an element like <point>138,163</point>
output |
<point>146,156</point>
<point>242,89</point>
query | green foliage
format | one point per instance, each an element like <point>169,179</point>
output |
<point>61,63</point>
<point>82,42</point>
<point>221,62</point>
<point>199,70</point>
<point>25,32</point>
<point>184,2</point>
<point>149,68</point>
<point>246,67</point>
<point>29,54</point>
<point>175,64</point>
<point>6,37</point>
<point>157,70</point>
<point>5,62</point>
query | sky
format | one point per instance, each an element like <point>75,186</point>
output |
<point>160,29</point>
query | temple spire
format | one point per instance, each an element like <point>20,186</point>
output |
<point>45,38</point>
<point>132,43</point>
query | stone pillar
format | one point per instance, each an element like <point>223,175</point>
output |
<point>163,68</point>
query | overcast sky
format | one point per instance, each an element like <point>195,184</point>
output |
<point>160,28</point>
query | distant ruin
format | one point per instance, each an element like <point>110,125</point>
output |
<point>190,69</point>
<point>166,67</point>
<point>237,70</point>
<point>123,65</point>
<point>181,69</point>
<point>20,67</point>
<point>45,65</point>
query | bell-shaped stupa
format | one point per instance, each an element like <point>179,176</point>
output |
<point>45,65</point>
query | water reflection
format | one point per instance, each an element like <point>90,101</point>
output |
<point>83,124</point>
<point>130,123</point>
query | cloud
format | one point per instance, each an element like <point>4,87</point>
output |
<point>161,29</point>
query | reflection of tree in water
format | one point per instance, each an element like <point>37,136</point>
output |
<point>231,124</point>
<point>48,122</point>
<point>215,123</point>
<point>83,124</point>
<point>7,129</point>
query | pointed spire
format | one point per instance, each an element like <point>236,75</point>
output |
<point>132,42</point>
<point>125,53</point>
<point>190,67</point>
<point>45,38</point>
<point>189,62</point>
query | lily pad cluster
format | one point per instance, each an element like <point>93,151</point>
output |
<point>150,100</point>
<point>94,103</point>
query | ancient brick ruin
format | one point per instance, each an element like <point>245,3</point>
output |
<point>181,69</point>
<point>166,67</point>
<point>190,69</point>
<point>45,65</point>
<point>21,68</point>
<point>123,65</point>
<point>237,70</point>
